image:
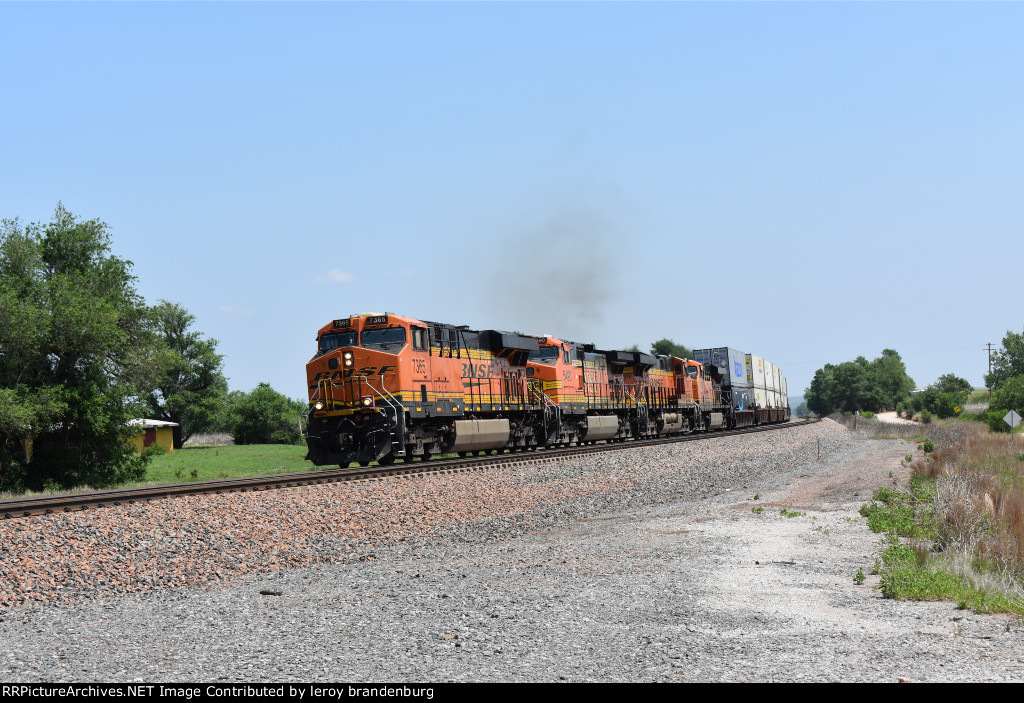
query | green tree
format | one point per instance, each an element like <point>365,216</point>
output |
<point>951,383</point>
<point>889,381</point>
<point>264,416</point>
<point>851,389</point>
<point>189,387</point>
<point>666,347</point>
<point>859,385</point>
<point>1007,362</point>
<point>1009,396</point>
<point>73,352</point>
<point>819,395</point>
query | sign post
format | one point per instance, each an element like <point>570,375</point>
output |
<point>1012,419</point>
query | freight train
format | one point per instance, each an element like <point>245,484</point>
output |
<point>384,387</point>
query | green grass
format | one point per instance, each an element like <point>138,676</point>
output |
<point>979,395</point>
<point>907,575</point>
<point>899,513</point>
<point>229,461</point>
<point>912,571</point>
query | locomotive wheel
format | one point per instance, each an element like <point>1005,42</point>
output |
<point>387,460</point>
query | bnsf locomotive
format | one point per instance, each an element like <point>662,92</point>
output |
<point>386,387</point>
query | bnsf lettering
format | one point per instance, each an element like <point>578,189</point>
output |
<point>477,371</point>
<point>342,374</point>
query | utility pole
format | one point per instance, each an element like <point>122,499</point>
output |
<point>990,370</point>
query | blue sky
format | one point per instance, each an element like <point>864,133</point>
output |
<point>809,182</point>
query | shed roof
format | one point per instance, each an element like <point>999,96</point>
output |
<point>142,422</point>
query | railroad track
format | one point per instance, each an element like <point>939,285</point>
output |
<point>48,505</point>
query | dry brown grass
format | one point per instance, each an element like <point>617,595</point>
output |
<point>979,497</point>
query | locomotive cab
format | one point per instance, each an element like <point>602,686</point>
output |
<point>355,382</point>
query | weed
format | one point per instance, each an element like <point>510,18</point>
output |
<point>859,577</point>
<point>790,513</point>
<point>51,486</point>
<point>757,496</point>
<point>896,512</point>
<point>757,511</point>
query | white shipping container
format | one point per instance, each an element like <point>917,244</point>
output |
<point>759,397</point>
<point>755,371</point>
<point>769,376</point>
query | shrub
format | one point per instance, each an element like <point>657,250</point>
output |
<point>948,404</point>
<point>155,449</point>
<point>995,421</point>
<point>264,416</point>
<point>926,417</point>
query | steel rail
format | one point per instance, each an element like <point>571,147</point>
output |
<point>47,505</point>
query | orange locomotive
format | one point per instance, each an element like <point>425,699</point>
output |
<point>385,387</point>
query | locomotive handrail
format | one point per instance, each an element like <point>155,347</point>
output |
<point>327,397</point>
<point>397,404</point>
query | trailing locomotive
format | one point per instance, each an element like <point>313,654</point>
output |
<point>385,387</point>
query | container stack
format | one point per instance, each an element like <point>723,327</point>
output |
<point>767,383</point>
<point>730,365</point>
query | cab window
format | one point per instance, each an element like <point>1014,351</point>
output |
<point>384,337</point>
<point>338,339</point>
<point>545,355</point>
<point>419,338</point>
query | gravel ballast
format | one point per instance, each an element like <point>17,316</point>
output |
<point>641,565</point>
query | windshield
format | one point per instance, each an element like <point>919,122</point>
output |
<point>384,337</point>
<point>337,339</point>
<point>545,354</point>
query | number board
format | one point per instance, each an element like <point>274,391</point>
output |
<point>347,322</point>
<point>377,320</point>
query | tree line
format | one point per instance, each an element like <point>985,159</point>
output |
<point>883,384</point>
<point>82,354</point>
<point>859,385</point>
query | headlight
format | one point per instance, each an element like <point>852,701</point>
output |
<point>347,356</point>
<point>318,405</point>
<point>367,401</point>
